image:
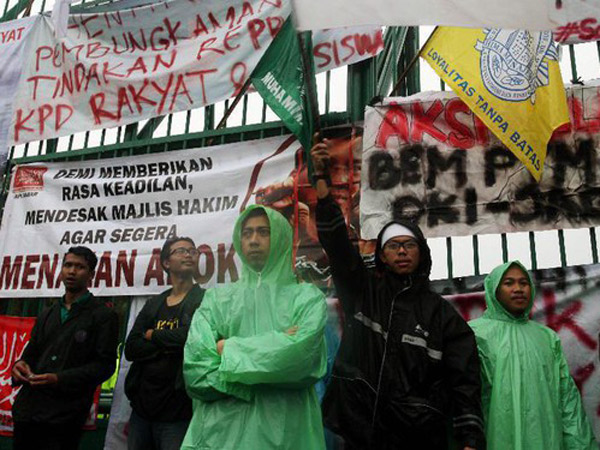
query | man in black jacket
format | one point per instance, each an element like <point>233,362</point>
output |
<point>154,385</point>
<point>407,362</point>
<point>73,348</point>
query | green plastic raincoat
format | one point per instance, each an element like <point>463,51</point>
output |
<point>529,399</point>
<point>259,394</point>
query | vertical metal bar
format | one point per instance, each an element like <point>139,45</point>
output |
<point>532,252</point>
<point>327,91</point>
<point>504,247</point>
<point>573,63</point>
<point>449,257</point>
<point>209,117</point>
<point>169,124</point>
<point>188,120</point>
<point>442,85</point>
<point>476,254</point>
<point>245,110</point>
<point>594,243</point>
<point>562,249</point>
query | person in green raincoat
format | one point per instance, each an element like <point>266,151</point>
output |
<point>256,348</point>
<point>530,401</point>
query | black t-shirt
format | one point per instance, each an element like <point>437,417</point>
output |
<point>157,398</point>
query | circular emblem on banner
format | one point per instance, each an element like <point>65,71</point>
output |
<point>515,63</point>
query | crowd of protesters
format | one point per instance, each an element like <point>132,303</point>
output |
<point>235,367</point>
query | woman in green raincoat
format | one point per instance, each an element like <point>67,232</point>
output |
<point>530,401</point>
<point>256,348</point>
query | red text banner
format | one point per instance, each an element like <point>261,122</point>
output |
<point>14,336</point>
<point>429,158</point>
<point>119,67</point>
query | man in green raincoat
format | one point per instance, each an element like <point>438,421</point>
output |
<point>256,348</point>
<point>530,401</point>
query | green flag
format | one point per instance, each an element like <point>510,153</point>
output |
<point>280,79</point>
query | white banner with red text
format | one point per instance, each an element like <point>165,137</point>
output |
<point>125,208</point>
<point>430,159</point>
<point>118,67</point>
<point>13,47</point>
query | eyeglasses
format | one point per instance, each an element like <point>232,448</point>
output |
<point>185,251</point>
<point>395,246</point>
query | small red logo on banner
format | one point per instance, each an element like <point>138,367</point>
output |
<point>29,179</point>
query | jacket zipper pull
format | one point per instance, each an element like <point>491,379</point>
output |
<point>259,279</point>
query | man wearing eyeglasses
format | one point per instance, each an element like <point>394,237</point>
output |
<point>161,409</point>
<point>407,369</point>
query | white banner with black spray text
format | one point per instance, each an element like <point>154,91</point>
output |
<point>430,159</point>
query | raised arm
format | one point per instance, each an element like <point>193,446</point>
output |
<point>348,269</point>
<point>277,357</point>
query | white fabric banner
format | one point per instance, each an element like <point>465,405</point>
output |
<point>125,208</point>
<point>13,44</point>
<point>118,67</point>
<point>511,14</point>
<point>120,408</point>
<point>430,159</point>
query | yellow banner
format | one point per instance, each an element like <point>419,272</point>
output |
<point>510,79</point>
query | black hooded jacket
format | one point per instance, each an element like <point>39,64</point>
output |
<point>407,363</point>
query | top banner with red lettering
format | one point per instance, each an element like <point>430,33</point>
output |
<point>124,66</point>
<point>118,67</point>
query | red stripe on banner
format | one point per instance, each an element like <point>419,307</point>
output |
<point>299,166</point>
<point>258,167</point>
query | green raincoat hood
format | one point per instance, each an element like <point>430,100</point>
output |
<point>278,267</point>
<point>495,310</point>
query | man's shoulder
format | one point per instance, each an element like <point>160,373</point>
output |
<point>543,330</point>
<point>307,289</point>
<point>101,307</point>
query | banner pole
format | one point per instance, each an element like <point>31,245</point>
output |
<point>236,101</point>
<point>410,65</point>
<point>311,91</point>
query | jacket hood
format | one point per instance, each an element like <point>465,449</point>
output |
<point>424,267</point>
<point>278,267</point>
<point>495,310</point>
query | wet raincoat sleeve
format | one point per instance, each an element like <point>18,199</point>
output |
<point>461,361</point>
<point>577,432</point>
<point>201,361</point>
<point>275,357</point>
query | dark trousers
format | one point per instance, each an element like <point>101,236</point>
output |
<point>37,436</point>
<point>149,435</point>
